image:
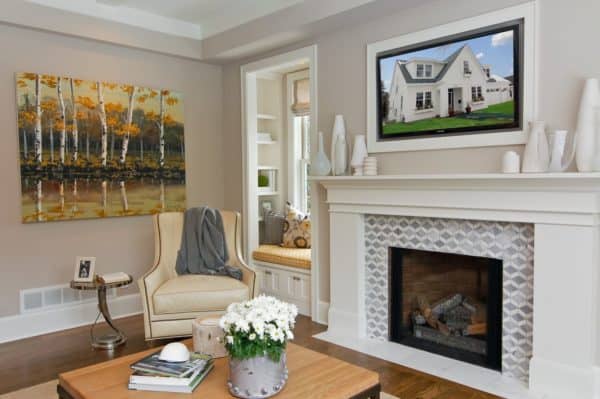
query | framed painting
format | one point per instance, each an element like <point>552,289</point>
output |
<point>95,149</point>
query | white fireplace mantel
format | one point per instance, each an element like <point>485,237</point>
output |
<point>564,209</point>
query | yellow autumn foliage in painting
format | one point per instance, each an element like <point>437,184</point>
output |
<point>98,149</point>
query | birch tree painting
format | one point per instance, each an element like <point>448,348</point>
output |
<point>95,149</point>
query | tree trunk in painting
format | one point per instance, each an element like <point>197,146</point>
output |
<point>126,136</point>
<point>38,201</point>
<point>124,202</point>
<point>61,196</point>
<point>74,209</point>
<point>112,144</point>
<point>103,126</point>
<point>37,143</point>
<point>63,124</point>
<point>74,131</point>
<point>51,134</point>
<point>25,143</point>
<point>161,160</point>
<point>87,144</point>
<point>104,197</point>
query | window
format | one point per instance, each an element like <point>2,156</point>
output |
<point>466,67</point>
<point>428,70</point>
<point>428,103</point>
<point>302,135</point>
<point>419,100</point>
<point>476,93</point>
<point>420,69</point>
<point>401,102</point>
<point>298,131</point>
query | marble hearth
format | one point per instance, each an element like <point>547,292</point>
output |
<point>544,227</point>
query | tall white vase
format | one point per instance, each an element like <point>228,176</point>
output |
<point>320,164</point>
<point>585,133</point>
<point>536,156</point>
<point>339,147</point>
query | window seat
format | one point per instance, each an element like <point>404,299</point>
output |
<point>292,257</point>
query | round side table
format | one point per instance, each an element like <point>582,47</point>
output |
<point>117,337</point>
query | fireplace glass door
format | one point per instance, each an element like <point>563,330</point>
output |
<point>447,304</point>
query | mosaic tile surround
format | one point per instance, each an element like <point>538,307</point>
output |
<point>511,242</point>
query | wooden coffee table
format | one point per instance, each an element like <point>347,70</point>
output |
<point>312,375</point>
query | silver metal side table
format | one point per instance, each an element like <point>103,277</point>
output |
<point>117,337</point>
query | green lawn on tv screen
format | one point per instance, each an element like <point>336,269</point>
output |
<point>497,114</point>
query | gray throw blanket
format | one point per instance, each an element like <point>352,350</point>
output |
<point>203,246</point>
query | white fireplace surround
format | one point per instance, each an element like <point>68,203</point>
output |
<point>565,211</point>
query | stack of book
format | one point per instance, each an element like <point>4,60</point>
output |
<point>153,374</point>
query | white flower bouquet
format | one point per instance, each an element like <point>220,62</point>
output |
<point>258,327</point>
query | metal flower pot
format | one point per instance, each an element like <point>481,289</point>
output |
<point>257,378</point>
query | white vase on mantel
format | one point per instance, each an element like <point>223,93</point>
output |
<point>536,156</point>
<point>339,147</point>
<point>585,133</point>
<point>320,165</point>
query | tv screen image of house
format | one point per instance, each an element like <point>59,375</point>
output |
<point>464,84</point>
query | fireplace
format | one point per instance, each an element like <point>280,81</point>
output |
<point>448,304</point>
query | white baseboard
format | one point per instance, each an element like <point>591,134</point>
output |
<point>322,313</point>
<point>31,324</point>
<point>558,380</point>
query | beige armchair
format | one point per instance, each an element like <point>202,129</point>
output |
<point>171,301</point>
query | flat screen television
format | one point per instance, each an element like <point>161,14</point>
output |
<point>462,84</point>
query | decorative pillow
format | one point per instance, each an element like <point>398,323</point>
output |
<point>296,228</point>
<point>273,228</point>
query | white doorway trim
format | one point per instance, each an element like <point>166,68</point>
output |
<point>249,153</point>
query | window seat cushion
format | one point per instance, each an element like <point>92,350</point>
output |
<point>293,257</point>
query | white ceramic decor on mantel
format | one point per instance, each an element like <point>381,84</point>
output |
<point>511,162</point>
<point>339,147</point>
<point>585,133</point>
<point>536,157</point>
<point>559,141</point>
<point>321,165</point>
<point>596,160</point>
<point>359,153</point>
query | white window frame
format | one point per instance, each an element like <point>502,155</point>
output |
<point>430,95</point>
<point>428,70</point>
<point>422,94</point>
<point>295,159</point>
<point>422,71</point>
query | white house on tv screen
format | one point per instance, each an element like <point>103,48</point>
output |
<point>423,88</point>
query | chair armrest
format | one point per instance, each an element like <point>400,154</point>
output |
<point>153,279</point>
<point>248,275</point>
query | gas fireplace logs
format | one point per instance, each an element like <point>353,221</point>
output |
<point>451,320</point>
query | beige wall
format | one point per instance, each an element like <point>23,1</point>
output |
<point>567,54</point>
<point>37,255</point>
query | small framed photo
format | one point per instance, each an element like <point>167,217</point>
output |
<point>84,269</point>
<point>266,206</point>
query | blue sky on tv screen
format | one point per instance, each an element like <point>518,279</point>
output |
<point>495,50</point>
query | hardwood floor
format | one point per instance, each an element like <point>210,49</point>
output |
<point>39,359</point>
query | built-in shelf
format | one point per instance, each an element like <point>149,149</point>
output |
<point>267,117</point>
<point>266,142</point>
<point>266,167</point>
<point>267,193</point>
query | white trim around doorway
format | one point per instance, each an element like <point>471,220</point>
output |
<point>249,74</point>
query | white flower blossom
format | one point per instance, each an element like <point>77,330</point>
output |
<point>263,318</point>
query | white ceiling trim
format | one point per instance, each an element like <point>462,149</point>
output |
<point>126,15</point>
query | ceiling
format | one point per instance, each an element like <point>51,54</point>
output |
<point>196,19</point>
